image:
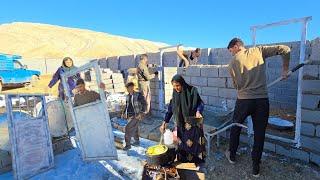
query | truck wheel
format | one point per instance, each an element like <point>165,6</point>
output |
<point>34,80</point>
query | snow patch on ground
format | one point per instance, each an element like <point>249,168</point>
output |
<point>69,165</point>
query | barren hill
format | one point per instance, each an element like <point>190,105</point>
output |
<point>34,40</point>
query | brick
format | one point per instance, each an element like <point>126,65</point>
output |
<point>311,86</point>
<point>307,129</point>
<point>318,131</point>
<point>217,82</point>
<point>310,101</point>
<point>199,81</point>
<point>224,71</point>
<point>228,93</point>
<point>283,150</point>
<point>210,71</point>
<point>269,146</point>
<point>193,71</point>
<point>310,116</point>
<point>230,83</point>
<point>310,143</point>
<point>315,158</point>
<point>209,91</point>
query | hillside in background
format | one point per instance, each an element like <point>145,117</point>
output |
<point>34,40</point>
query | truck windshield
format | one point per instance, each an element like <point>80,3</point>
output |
<point>17,65</point>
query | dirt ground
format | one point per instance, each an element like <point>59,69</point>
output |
<point>273,166</point>
<point>41,86</point>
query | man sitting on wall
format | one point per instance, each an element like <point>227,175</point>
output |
<point>84,96</point>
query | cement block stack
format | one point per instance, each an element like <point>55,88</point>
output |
<point>118,83</point>
<point>169,72</point>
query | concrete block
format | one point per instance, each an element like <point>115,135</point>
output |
<point>311,86</point>
<point>310,101</point>
<point>187,79</point>
<point>127,62</point>
<point>228,93</point>
<point>315,158</point>
<point>216,101</point>
<point>193,71</point>
<point>315,49</point>
<point>204,56</point>
<point>312,143</point>
<point>224,71</point>
<point>269,146</point>
<point>210,71</point>
<point>311,72</point>
<point>300,154</point>
<point>209,91</point>
<point>154,58</point>
<point>231,103</point>
<point>217,82</point>
<point>103,63</point>
<point>230,83</point>
<point>283,150</point>
<point>170,59</point>
<point>181,71</point>
<point>199,81</point>
<point>205,100</point>
<point>307,129</point>
<point>113,63</point>
<point>318,131</point>
<point>310,116</point>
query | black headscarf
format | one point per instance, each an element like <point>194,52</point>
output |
<point>184,103</point>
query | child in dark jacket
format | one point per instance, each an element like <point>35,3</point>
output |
<point>133,112</point>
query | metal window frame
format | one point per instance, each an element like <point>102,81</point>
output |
<point>304,23</point>
<point>92,64</point>
<point>12,134</point>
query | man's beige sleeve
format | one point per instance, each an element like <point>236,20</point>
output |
<point>269,51</point>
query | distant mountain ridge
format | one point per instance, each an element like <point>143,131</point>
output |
<point>35,40</point>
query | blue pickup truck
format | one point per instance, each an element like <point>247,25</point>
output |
<point>13,73</point>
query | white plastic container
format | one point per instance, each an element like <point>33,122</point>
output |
<point>168,137</point>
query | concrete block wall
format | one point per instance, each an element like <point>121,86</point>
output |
<point>284,94</point>
<point>213,83</point>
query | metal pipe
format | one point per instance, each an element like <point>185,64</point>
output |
<point>303,43</point>
<point>281,23</point>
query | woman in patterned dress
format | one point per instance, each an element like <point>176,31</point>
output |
<point>186,103</point>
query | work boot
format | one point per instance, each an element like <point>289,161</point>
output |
<point>255,170</point>
<point>231,159</point>
<point>127,147</point>
<point>136,143</point>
